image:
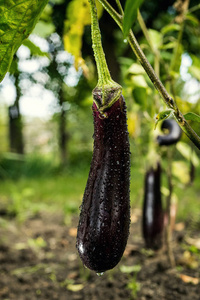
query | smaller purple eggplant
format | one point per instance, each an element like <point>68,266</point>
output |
<point>174,134</point>
<point>153,215</point>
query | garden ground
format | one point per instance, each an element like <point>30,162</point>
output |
<point>38,260</point>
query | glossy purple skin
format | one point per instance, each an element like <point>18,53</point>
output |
<point>153,215</point>
<point>174,134</point>
<point>105,212</point>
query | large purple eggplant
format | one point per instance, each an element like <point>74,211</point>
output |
<point>153,215</point>
<point>105,212</point>
<point>174,134</point>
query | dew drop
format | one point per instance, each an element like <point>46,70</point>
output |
<point>100,274</point>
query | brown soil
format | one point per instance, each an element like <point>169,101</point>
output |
<point>38,260</point>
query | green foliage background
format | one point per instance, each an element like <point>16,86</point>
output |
<point>38,181</point>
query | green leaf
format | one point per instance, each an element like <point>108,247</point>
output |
<point>156,38</point>
<point>162,116</point>
<point>139,81</point>
<point>44,29</point>
<point>192,117</point>
<point>136,69</point>
<point>169,45</point>
<point>130,14</point>
<point>16,23</point>
<point>192,19</point>
<point>194,69</point>
<point>170,27</point>
<point>130,269</point>
<point>35,50</point>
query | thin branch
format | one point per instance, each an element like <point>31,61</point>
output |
<point>119,6</point>
<point>153,77</point>
<point>153,49</point>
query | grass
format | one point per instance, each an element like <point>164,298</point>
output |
<point>27,197</point>
<point>63,191</point>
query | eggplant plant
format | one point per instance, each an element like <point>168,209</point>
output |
<point>105,211</point>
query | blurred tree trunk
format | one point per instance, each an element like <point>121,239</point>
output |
<point>15,122</point>
<point>63,136</point>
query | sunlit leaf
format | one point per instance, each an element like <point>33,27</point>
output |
<point>75,287</point>
<point>130,14</point>
<point>162,116</point>
<point>185,150</point>
<point>139,81</point>
<point>17,21</point>
<point>74,28</point>
<point>130,269</point>
<point>194,71</point>
<point>136,69</point>
<point>192,117</point>
<point>44,29</point>
<point>156,38</point>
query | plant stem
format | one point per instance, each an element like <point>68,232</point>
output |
<point>168,211</point>
<point>102,68</point>
<point>102,93</point>
<point>153,77</point>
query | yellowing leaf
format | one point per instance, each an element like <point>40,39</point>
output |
<point>188,260</point>
<point>133,124</point>
<point>78,16</point>
<point>73,231</point>
<point>189,279</point>
<point>75,287</point>
<point>180,170</point>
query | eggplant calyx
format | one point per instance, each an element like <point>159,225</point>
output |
<point>104,97</point>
